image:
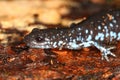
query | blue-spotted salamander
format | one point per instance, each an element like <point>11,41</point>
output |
<point>98,30</point>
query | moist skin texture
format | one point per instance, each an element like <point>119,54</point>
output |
<point>101,30</point>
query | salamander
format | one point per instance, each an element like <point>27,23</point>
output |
<point>100,30</point>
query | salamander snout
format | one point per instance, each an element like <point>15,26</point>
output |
<point>35,40</point>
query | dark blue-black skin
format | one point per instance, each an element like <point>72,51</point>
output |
<point>100,30</point>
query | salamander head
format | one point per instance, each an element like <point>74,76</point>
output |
<point>39,39</point>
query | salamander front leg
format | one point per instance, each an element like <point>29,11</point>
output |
<point>105,51</point>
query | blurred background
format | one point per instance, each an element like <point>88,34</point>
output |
<point>52,12</point>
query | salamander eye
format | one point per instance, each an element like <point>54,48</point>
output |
<point>39,39</point>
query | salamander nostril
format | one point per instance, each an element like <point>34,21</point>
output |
<point>39,39</point>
